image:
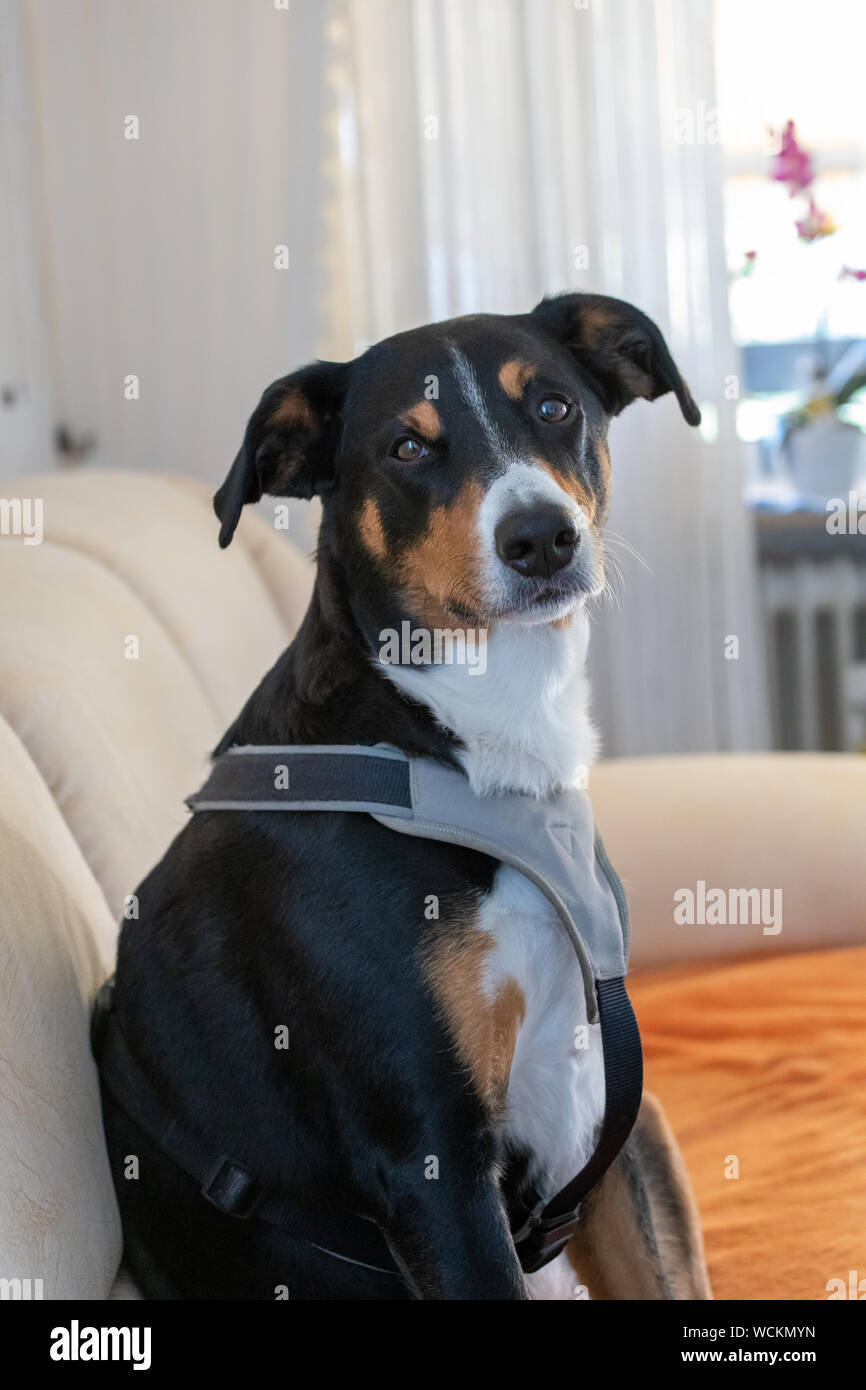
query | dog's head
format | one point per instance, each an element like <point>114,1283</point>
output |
<point>463,466</point>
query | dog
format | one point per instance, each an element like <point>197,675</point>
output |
<point>430,1087</point>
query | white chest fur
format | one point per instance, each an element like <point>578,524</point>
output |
<point>523,722</point>
<point>525,727</point>
<point>555,1096</point>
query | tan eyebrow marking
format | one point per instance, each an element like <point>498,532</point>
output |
<point>294,409</point>
<point>370,528</point>
<point>423,417</point>
<point>515,376</point>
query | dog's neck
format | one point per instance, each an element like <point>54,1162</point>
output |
<point>523,725</point>
<point>524,722</point>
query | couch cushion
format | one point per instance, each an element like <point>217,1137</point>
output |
<point>230,613</point>
<point>793,822</point>
<point>119,742</point>
<point>283,566</point>
<point>58,1216</point>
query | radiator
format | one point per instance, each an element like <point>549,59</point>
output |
<point>815,623</point>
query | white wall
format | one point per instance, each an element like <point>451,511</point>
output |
<point>26,371</point>
<point>157,254</point>
<point>308,126</point>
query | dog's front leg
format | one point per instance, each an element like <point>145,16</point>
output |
<point>641,1236</point>
<point>450,1239</point>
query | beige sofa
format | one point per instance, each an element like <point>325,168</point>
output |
<point>128,641</point>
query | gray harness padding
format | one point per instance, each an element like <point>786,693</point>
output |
<point>552,841</point>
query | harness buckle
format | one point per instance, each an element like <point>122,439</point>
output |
<point>231,1189</point>
<point>546,1240</point>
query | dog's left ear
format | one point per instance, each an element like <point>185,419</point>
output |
<point>620,349</point>
<point>290,443</point>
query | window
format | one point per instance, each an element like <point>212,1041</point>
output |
<point>795,306</point>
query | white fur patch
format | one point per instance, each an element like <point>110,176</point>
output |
<point>470,389</point>
<point>555,1099</point>
<point>556,1281</point>
<point>525,721</point>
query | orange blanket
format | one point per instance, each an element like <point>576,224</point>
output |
<point>764,1062</point>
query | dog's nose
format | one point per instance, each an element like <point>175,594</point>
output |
<point>537,542</point>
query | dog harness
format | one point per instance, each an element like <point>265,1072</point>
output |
<point>553,842</point>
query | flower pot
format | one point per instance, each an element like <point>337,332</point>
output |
<point>826,458</point>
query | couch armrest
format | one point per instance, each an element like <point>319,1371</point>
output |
<point>792,822</point>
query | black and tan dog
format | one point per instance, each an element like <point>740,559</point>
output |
<point>464,471</point>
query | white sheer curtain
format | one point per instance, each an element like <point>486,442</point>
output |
<point>489,151</point>
<point>156,255</point>
<point>420,158</point>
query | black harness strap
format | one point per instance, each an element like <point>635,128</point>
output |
<point>551,1227</point>
<point>370,780</point>
<point>259,779</point>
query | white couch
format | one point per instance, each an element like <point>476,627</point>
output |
<point>98,749</point>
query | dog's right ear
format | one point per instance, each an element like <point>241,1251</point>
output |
<point>290,443</point>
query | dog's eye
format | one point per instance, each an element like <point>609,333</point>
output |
<point>409,450</point>
<point>553,409</point>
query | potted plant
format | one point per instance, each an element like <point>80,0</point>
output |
<point>825,455</point>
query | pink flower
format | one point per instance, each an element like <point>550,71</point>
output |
<point>792,165</point>
<point>849,273</point>
<point>749,262</point>
<point>815,224</point>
